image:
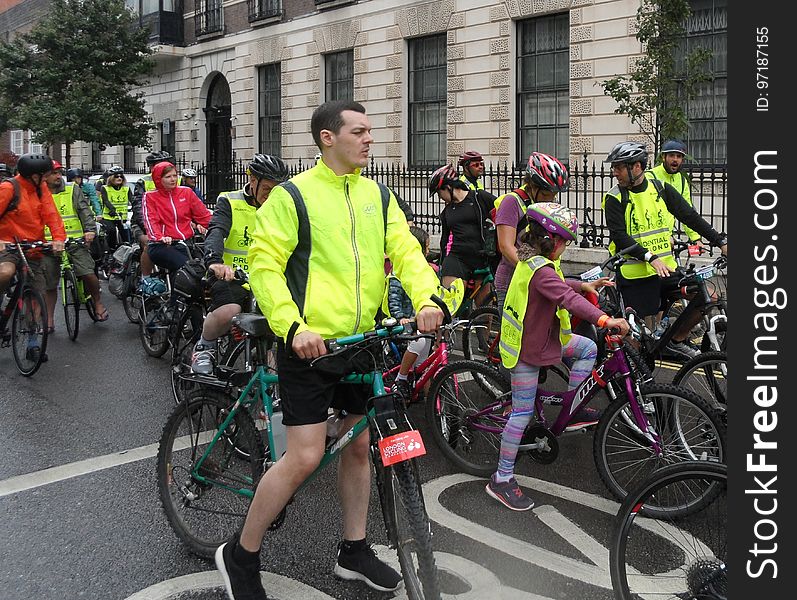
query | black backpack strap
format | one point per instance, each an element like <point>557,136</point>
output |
<point>385,203</point>
<point>298,267</point>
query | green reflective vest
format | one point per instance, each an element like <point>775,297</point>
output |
<point>236,245</point>
<point>478,186</point>
<point>649,223</point>
<point>118,198</point>
<point>517,300</point>
<point>681,184</point>
<point>66,208</point>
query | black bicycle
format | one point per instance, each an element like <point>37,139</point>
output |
<point>27,313</point>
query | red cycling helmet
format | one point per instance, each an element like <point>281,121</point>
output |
<point>469,156</point>
<point>442,177</point>
<point>547,172</point>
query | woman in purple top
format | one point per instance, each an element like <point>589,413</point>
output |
<point>545,177</point>
<point>536,307</point>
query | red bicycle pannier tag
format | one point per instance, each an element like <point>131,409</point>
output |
<point>401,446</point>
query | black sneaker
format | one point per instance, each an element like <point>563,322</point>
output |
<point>682,349</point>
<point>203,359</point>
<point>363,565</point>
<point>403,388</point>
<point>509,494</point>
<point>242,582</point>
<point>586,417</point>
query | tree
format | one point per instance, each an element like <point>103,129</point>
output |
<point>664,77</point>
<point>72,76</point>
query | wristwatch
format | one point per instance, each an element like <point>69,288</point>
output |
<point>650,257</point>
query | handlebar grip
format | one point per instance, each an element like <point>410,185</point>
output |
<point>446,313</point>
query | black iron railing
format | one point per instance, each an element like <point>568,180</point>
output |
<point>588,185</point>
<point>209,17</point>
<point>264,9</point>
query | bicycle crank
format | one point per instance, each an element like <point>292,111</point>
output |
<point>540,444</point>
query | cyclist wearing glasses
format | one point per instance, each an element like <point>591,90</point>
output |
<point>26,207</point>
<point>227,248</point>
<point>472,165</point>
<point>641,210</point>
<point>323,235</point>
<point>78,219</point>
<point>116,197</point>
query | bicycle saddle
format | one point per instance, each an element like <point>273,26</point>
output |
<point>254,325</point>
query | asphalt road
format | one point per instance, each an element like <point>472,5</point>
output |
<point>81,516</point>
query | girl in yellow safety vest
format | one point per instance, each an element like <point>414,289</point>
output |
<point>535,332</point>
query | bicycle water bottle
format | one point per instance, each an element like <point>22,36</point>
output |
<point>661,327</point>
<point>278,433</point>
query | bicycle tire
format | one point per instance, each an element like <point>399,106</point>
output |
<point>408,527</point>
<point>481,336</point>
<point>684,558</point>
<point>707,376</point>
<point>191,506</point>
<point>187,334</point>
<point>722,338</point>
<point>91,309</point>
<point>29,330</point>
<point>132,306</point>
<point>71,302</point>
<point>690,429</point>
<point>454,395</point>
<point>153,333</point>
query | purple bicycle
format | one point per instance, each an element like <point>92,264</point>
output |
<point>647,425</point>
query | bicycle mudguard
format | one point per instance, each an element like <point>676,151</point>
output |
<point>398,440</point>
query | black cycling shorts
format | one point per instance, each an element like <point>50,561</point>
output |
<point>229,292</point>
<point>307,393</point>
<point>648,295</point>
<point>460,265</point>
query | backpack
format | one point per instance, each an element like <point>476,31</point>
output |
<point>15,198</point>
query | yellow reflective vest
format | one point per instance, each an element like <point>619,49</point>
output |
<point>649,223</point>
<point>118,199</point>
<point>517,300</point>
<point>318,261</point>
<point>478,186</point>
<point>66,208</point>
<point>681,184</point>
<point>237,242</point>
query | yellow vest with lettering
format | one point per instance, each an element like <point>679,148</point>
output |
<point>236,246</point>
<point>517,300</point>
<point>66,208</point>
<point>118,198</point>
<point>649,223</point>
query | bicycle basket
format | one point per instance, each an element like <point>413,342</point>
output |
<point>188,280</point>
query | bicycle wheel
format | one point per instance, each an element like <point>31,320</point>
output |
<point>481,336</point>
<point>204,514</point>
<point>71,302</point>
<point>91,309</point>
<point>665,558</point>
<point>689,429</point>
<point>132,306</point>
<point>152,327</point>
<point>29,331</point>
<point>186,335</point>
<point>466,414</point>
<point>408,527</point>
<point>707,376</point>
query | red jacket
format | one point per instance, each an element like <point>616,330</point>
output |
<point>170,214</point>
<point>33,212</point>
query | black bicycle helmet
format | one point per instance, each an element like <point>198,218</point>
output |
<point>32,164</point>
<point>442,177</point>
<point>628,153</point>
<point>266,166</point>
<point>153,158</point>
<point>74,172</point>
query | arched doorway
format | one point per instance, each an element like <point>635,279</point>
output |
<point>218,113</point>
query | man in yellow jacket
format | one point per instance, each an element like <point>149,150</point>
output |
<point>316,267</point>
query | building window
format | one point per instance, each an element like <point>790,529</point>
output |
<point>427,101</point>
<point>129,158</point>
<point>707,110</point>
<point>96,157</point>
<point>17,142</point>
<point>264,9</point>
<point>270,104</point>
<point>339,75</point>
<point>167,136</point>
<point>33,147</point>
<point>209,17</point>
<point>543,86</point>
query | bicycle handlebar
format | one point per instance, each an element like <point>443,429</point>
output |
<point>620,257</point>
